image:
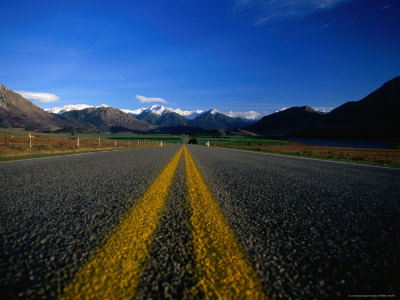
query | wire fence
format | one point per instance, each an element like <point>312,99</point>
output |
<point>33,142</point>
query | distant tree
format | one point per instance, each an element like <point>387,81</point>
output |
<point>193,141</point>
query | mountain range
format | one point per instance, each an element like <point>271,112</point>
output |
<point>162,116</point>
<point>375,117</point>
<point>211,119</point>
<point>16,111</point>
<point>106,119</point>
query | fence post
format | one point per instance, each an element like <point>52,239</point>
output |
<point>77,142</point>
<point>161,143</point>
<point>115,143</point>
<point>99,142</point>
<point>30,141</point>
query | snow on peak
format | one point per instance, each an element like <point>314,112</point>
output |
<point>69,107</point>
<point>190,114</point>
<point>158,109</point>
<point>213,111</point>
<point>134,112</point>
<point>65,108</point>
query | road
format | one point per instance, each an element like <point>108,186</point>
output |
<point>203,222</point>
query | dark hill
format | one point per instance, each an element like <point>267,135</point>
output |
<point>107,119</point>
<point>375,117</point>
<point>166,118</point>
<point>290,120</point>
<point>16,111</point>
<point>213,119</point>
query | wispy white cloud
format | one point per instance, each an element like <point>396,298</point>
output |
<point>39,97</point>
<point>251,115</point>
<point>262,11</point>
<point>143,99</point>
<point>385,7</point>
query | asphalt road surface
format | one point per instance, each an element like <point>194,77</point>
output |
<point>206,222</point>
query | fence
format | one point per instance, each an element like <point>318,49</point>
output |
<point>19,143</point>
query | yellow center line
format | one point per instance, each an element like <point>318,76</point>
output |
<point>114,271</point>
<point>222,269</point>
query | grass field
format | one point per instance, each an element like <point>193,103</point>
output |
<point>21,146</point>
<point>382,157</point>
<point>89,142</point>
<point>165,138</point>
<point>238,140</point>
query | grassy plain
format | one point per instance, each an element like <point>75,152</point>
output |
<point>382,157</point>
<point>165,138</point>
<point>14,143</point>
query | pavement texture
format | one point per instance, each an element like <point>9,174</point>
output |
<point>56,211</point>
<point>310,229</point>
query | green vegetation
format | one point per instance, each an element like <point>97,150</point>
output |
<point>133,137</point>
<point>238,140</point>
<point>337,157</point>
<point>47,154</point>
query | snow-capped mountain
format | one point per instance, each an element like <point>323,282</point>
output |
<point>160,109</point>
<point>157,111</point>
<point>133,112</point>
<point>70,107</point>
<point>213,119</point>
<point>162,116</point>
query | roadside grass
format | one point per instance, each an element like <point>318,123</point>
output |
<point>379,157</point>
<point>133,137</point>
<point>39,152</point>
<point>165,138</point>
<point>16,144</point>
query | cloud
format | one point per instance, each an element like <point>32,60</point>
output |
<point>385,7</point>
<point>39,97</point>
<point>263,11</point>
<point>144,99</point>
<point>251,115</point>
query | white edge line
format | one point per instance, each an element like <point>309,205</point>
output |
<point>310,158</point>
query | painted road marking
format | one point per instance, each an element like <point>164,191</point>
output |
<point>114,271</point>
<point>222,269</point>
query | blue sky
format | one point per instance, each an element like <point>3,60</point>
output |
<point>233,55</point>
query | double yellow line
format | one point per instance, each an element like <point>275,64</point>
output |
<point>222,270</point>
